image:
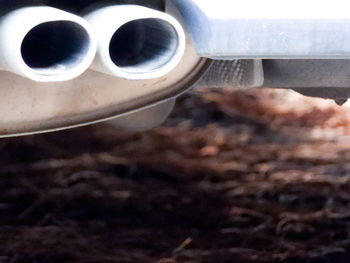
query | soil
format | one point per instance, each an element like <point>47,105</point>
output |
<point>233,176</point>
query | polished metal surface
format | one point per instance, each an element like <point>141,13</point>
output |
<point>136,42</point>
<point>45,44</point>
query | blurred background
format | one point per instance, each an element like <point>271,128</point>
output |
<point>257,175</point>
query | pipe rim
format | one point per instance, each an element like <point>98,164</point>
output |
<point>34,17</point>
<point>107,20</point>
<point>167,53</point>
<point>57,55</point>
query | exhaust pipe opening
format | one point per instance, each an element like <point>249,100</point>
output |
<point>136,42</point>
<point>45,44</point>
<point>55,47</point>
<point>143,45</point>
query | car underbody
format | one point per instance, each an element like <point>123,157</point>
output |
<point>71,63</point>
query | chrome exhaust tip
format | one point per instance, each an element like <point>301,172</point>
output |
<point>136,42</point>
<point>45,44</point>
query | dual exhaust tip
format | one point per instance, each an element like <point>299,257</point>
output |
<point>46,44</point>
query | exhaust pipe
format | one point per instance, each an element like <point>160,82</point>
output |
<point>136,42</point>
<point>45,44</point>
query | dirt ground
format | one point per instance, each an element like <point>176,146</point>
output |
<point>233,176</point>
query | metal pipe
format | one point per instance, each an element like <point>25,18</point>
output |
<point>255,29</point>
<point>136,42</point>
<point>45,44</point>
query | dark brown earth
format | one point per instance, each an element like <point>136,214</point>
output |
<point>233,176</point>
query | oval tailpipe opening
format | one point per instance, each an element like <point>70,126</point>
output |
<point>143,45</point>
<point>55,48</point>
<point>140,43</point>
<point>49,44</point>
